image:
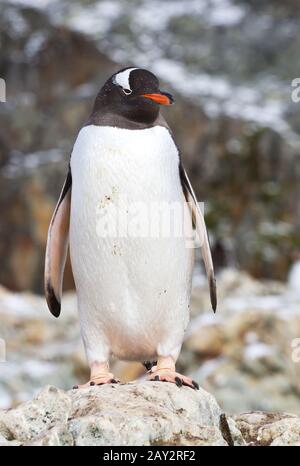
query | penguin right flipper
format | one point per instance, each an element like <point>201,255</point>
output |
<point>57,248</point>
<point>199,223</point>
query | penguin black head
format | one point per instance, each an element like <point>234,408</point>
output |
<point>132,93</point>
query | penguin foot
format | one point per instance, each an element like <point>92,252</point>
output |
<point>164,371</point>
<point>99,380</point>
<point>172,377</point>
<point>100,375</point>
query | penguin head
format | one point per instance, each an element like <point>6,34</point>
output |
<point>134,94</point>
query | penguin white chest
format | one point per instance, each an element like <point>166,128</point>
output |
<point>133,285</point>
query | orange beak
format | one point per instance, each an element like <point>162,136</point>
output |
<point>163,98</point>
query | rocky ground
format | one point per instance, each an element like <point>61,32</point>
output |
<point>149,413</point>
<point>131,414</point>
<point>247,355</point>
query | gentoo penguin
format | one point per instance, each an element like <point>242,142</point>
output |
<point>133,290</point>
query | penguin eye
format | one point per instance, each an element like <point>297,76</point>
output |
<point>127,91</point>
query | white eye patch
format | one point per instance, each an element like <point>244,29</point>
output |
<point>122,79</point>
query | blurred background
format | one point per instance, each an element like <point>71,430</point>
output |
<point>229,64</point>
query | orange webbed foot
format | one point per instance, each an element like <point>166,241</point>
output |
<point>172,377</point>
<point>164,371</point>
<point>100,375</point>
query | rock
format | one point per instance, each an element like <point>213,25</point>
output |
<point>272,429</point>
<point>133,414</point>
<point>49,408</point>
<point>51,351</point>
<point>139,413</point>
<point>205,339</point>
<point>7,443</point>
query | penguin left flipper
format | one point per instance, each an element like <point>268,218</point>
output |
<point>57,247</point>
<point>199,223</point>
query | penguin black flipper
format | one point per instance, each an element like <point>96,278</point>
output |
<point>198,221</point>
<point>57,248</point>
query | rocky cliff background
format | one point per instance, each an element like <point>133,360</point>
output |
<point>230,65</point>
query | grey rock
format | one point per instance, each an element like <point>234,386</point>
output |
<point>48,408</point>
<point>132,414</point>
<point>8,443</point>
<point>272,429</point>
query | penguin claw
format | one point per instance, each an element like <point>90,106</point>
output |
<point>160,375</point>
<point>102,379</point>
<point>178,382</point>
<point>108,382</point>
<point>196,385</point>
